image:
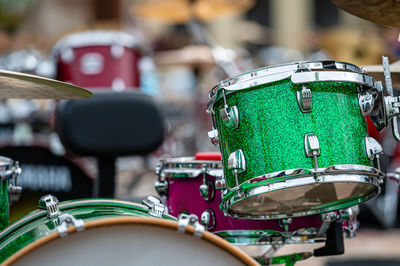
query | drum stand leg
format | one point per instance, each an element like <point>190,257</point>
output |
<point>334,244</point>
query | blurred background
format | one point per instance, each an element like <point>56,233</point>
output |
<point>180,50</point>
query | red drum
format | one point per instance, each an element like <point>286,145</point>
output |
<point>99,60</point>
<point>190,184</point>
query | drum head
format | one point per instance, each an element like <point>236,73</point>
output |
<point>130,241</point>
<point>281,201</point>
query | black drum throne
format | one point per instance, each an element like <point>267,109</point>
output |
<point>109,125</point>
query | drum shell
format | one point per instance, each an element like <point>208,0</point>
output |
<point>36,225</point>
<point>184,195</point>
<point>4,203</point>
<point>272,128</point>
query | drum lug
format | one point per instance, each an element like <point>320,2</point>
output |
<point>366,103</point>
<point>185,220</point>
<point>311,146</point>
<point>304,99</point>
<point>15,190</point>
<point>229,115</point>
<point>373,150</point>
<point>161,186</point>
<point>237,163</point>
<point>67,55</point>
<point>213,136</point>
<point>157,209</point>
<point>117,50</point>
<point>207,219</point>
<point>50,204</point>
<point>67,219</point>
<point>220,183</point>
<point>207,189</point>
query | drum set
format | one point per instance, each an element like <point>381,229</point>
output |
<point>295,162</point>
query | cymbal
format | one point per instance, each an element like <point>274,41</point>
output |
<point>384,12</point>
<point>192,55</point>
<point>376,71</point>
<point>26,86</point>
<point>181,11</point>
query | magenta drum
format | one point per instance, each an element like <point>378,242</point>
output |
<point>192,185</point>
<point>99,60</point>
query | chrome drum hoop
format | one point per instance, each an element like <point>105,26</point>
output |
<point>300,177</point>
<point>300,72</point>
<point>189,167</point>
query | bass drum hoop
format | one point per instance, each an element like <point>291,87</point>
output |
<point>171,225</point>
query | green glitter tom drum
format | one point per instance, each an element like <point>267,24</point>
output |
<point>294,139</point>
<point>9,190</point>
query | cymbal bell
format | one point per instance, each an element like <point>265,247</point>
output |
<point>182,11</point>
<point>26,86</point>
<point>384,12</point>
<point>376,71</point>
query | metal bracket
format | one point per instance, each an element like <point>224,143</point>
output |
<point>184,220</point>
<point>304,99</point>
<point>373,150</point>
<point>237,163</point>
<point>229,115</point>
<point>14,190</point>
<point>220,183</point>
<point>157,209</point>
<point>311,146</point>
<point>207,219</point>
<point>213,136</point>
<point>50,204</point>
<point>366,103</point>
<point>161,187</point>
<point>66,220</point>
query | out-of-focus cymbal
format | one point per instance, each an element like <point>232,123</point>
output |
<point>21,85</point>
<point>181,11</point>
<point>376,71</point>
<point>385,12</point>
<point>193,55</point>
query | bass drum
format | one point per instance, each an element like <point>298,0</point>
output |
<point>110,232</point>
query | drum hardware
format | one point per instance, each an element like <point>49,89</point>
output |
<point>311,146</point>
<point>117,50</point>
<point>208,220</point>
<point>156,208</point>
<point>67,220</point>
<point>161,187</point>
<point>50,204</point>
<point>14,189</point>
<point>213,136</point>
<point>366,103</point>
<point>285,224</point>
<point>230,115</point>
<point>334,244</point>
<point>304,100</point>
<point>220,183</point>
<point>373,149</point>
<point>237,162</point>
<point>184,220</point>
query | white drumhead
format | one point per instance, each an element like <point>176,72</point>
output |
<point>130,244</point>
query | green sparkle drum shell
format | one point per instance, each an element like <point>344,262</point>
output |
<point>279,180</point>
<point>37,225</point>
<point>9,170</point>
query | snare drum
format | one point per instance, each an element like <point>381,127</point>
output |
<point>99,60</point>
<point>191,185</point>
<point>9,189</point>
<point>110,232</point>
<point>294,139</point>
